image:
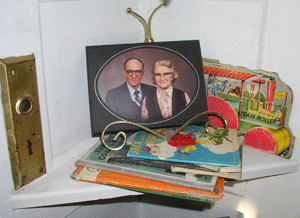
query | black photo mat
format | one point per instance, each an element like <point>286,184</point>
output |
<point>107,78</point>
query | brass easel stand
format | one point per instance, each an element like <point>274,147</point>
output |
<point>147,27</point>
<point>148,38</point>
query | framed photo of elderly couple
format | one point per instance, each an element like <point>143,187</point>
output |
<point>159,84</point>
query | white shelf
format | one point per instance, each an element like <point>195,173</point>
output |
<point>58,188</point>
<point>258,164</point>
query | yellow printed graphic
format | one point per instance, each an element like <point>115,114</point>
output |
<point>280,95</point>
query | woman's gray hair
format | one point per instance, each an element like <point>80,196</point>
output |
<point>165,63</point>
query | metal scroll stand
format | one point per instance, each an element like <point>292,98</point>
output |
<point>147,27</point>
<point>148,38</point>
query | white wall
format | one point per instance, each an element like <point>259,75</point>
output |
<point>251,33</point>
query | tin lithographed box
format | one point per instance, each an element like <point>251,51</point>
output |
<point>256,102</point>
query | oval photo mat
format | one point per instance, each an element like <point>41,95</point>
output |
<point>111,74</point>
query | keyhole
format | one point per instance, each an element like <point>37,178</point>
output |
<point>29,146</point>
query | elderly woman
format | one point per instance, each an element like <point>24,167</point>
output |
<point>166,100</point>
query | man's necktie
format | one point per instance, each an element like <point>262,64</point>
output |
<point>137,98</point>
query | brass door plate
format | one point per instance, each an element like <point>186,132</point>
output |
<point>22,118</point>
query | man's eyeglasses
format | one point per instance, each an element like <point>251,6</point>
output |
<point>163,74</point>
<point>137,72</point>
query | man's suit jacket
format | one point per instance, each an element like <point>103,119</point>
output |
<point>119,101</point>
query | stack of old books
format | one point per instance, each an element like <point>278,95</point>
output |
<point>190,165</point>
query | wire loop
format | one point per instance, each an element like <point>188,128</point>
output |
<point>207,130</point>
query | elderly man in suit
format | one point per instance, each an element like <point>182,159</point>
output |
<point>126,99</point>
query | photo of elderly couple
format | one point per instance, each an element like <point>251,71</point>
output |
<point>147,85</point>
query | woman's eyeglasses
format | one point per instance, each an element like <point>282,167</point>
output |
<point>163,74</point>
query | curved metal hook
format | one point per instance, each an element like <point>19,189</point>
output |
<point>171,136</point>
<point>124,135</point>
<point>147,27</point>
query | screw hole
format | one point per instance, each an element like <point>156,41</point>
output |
<point>30,67</point>
<point>24,178</point>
